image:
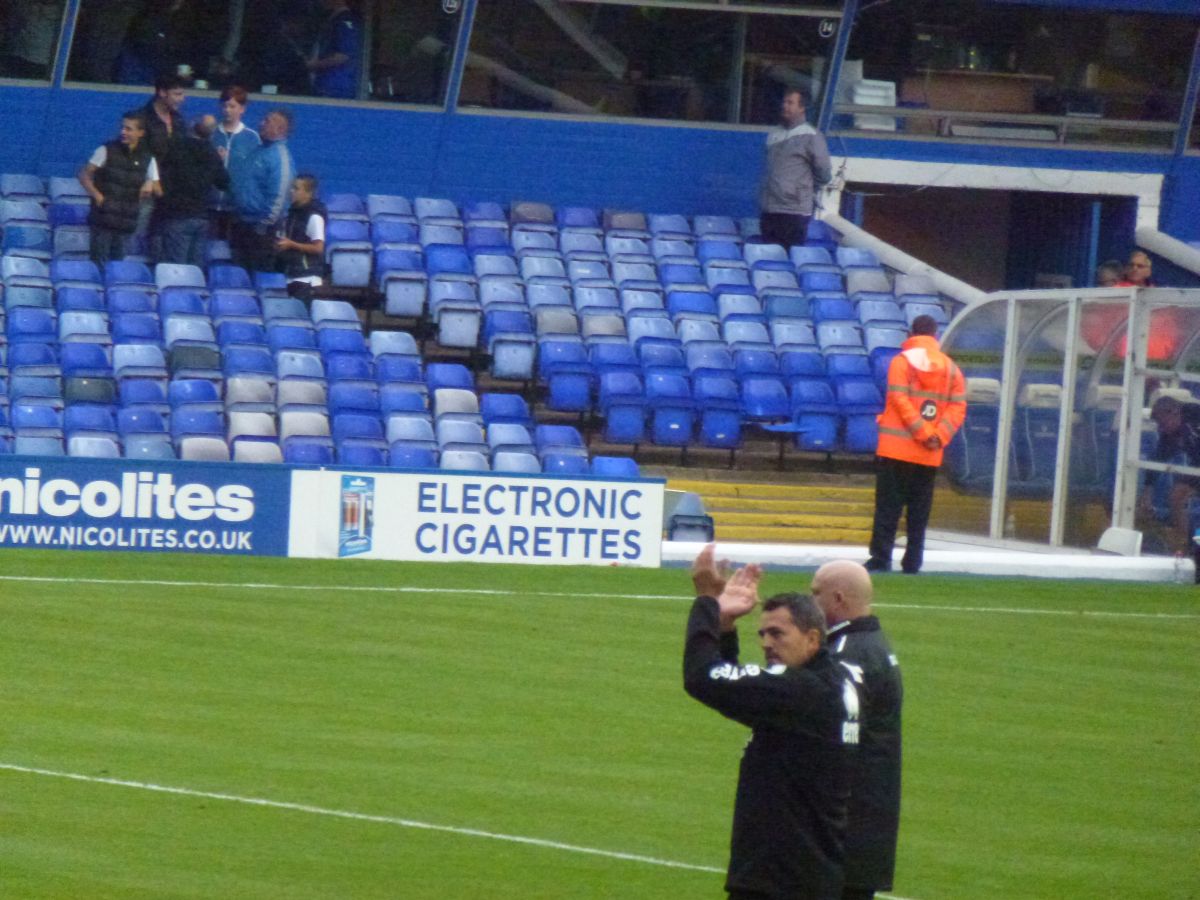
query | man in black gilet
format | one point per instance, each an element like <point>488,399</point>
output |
<point>118,177</point>
<point>790,813</point>
<point>856,639</point>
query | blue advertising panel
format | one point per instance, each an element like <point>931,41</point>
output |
<point>92,504</point>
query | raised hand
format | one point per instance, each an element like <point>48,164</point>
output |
<point>708,575</point>
<point>740,595</point>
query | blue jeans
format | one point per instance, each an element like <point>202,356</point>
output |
<point>184,240</point>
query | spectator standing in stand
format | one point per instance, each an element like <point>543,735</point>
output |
<point>262,197</point>
<point>119,176</point>
<point>236,144</point>
<point>797,166</point>
<point>302,247</point>
<point>193,172</point>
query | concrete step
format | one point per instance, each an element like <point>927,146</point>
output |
<point>769,491</point>
<point>824,534</point>
<point>786,513</point>
<point>808,506</point>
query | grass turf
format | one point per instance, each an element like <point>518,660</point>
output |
<point>1046,756</point>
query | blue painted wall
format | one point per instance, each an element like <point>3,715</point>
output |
<point>467,155</point>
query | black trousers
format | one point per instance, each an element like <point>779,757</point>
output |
<point>783,228</point>
<point>252,246</point>
<point>853,893</point>
<point>898,485</point>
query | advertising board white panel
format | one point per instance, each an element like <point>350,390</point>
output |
<point>475,517</point>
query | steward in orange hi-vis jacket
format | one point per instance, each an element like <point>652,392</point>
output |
<point>926,404</point>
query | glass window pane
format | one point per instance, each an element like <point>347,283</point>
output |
<point>29,30</point>
<point>400,50</point>
<point>642,62</point>
<point>1011,72</point>
<point>412,50</point>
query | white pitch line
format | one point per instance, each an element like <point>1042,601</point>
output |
<point>402,589</point>
<point>367,817</point>
<point>361,817</point>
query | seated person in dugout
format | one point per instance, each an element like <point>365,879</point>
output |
<point>1178,442</point>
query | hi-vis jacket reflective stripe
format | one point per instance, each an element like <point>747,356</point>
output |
<point>926,396</point>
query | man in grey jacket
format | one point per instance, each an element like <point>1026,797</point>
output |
<point>797,165</point>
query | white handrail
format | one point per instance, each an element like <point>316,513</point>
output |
<point>895,258</point>
<point>1172,249</point>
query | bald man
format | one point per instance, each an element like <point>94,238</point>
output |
<point>843,590</point>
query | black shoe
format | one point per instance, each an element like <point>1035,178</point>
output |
<point>911,571</point>
<point>876,565</point>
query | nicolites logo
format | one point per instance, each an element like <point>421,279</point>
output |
<point>140,495</point>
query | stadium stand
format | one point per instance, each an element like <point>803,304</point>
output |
<point>657,329</point>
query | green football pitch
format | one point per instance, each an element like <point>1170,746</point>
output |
<point>175,726</point>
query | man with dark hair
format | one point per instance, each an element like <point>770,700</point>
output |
<point>797,165</point>
<point>302,247</point>
<point>790,813</point>
<point>842,588</point>
<point>118,177</point>
<point>925,406</point>
<point>193,171</point>
<point>263,197</point>
<point>164,121</point>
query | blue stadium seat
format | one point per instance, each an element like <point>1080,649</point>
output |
<point>141,421</point>
<point>194,393</point>
<point>856,257</point>
<point>400,276</point>
<point>361,455</point>
<point>564,464</point>
<point>842,367</point>
<point>559,439</point>
<point>121,300</point>
<point>764,399</point>
<point>464,461</point>
<point>715,226</point>
<point>86,418</point>
<point>353,397</point>
<point>672,410</point>
<point>411,431</point>
<point>717,397</point>
<point>144,394</point>
<point>389,207</point>
<point>235,306</point>
<point>499,408</point>
<point>448,375</point>
<point>708,358</point>
<point>93,446</point>
<point>615,467</point>
<point>80,299</point>
<point>235,333</point>
<point>33,359</point>
<point>137,360</point>
<point>404,456</point>
<point>839,337</point>
<point>225,277</point>
<point>354,428</point>
<point>868,284</point>
<point>75,273</point>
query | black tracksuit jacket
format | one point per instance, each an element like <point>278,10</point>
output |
<point>790,815</point>
<point>874,811</point>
